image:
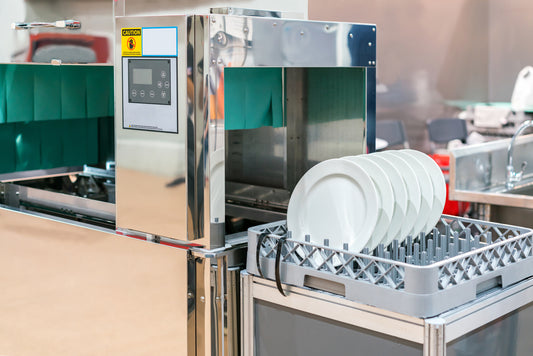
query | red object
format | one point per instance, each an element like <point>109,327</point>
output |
<point>98,44</point>
<point>451,207</point>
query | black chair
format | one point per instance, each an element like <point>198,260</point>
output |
<point>444,130</point>
<point>392,131</point>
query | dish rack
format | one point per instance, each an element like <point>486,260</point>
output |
<point>458,261</point>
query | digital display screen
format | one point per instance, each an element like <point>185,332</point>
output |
<point>142,76</point>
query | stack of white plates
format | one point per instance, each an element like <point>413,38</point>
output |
<point>367,200</point>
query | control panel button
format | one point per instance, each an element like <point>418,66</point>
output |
<point>141,93</point>
<point>152,93</point>
<point>159,84</point>
<point>163,94</point>
<point>134,93</point>
<point>163,74</point>
<point>167,84</point>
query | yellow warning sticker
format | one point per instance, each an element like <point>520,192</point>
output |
<point>132,42</point>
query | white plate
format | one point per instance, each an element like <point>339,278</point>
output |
<point>413,191</point>
<point>384,188</point>
<point>439,187</point>
<point>337,200</point>
<point>399,198</point>
<point>426,190</point>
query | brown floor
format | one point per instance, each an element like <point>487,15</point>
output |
<point>68,290</point>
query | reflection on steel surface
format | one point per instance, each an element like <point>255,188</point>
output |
<point>319,105</point>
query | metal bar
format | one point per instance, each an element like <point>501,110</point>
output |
<point>203,325</point>
<point>434,344</point>
<point>247,314</point>
<point>254,213</point>
<point>67,203</point>
<point>371,109</point>
<point>233,302</point>
<point>191,305</point>
<point>67,24</point>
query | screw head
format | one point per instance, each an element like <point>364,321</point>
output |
<point>351,35</point>
<point>274,24</point>
<point>301,33</point>
<point>245,30</point>
<point>213,20</point>
<point>373,29</point>
<point>369,44</point>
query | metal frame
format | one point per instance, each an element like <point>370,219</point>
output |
<point>432,333</point>
<point>207,44</point>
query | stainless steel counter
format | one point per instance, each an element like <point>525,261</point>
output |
<point>478,175</point>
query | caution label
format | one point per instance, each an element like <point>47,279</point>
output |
<point>131,42</point>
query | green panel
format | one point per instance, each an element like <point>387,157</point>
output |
<point>99,91</point>
<point>74,142</point>
<point>253,98</point>
<point>28,146</point>
<point>19,93</point>
<point>106,139</point>
<point>336,94</point>
<point>73,92</point>
<point>92,141</point>
<point>7,147</point>
<point>111,104</point>
<point>47,92</point>
<point>3,93</point>
<point>51,144</point>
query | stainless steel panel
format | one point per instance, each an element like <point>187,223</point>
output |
<point>151,168</point>
<point>508,335</point>
<point>63,203</point>
<point>217,298</point>
<point>257,156</point>
<point>185,173</point>
<point>254,41</point>
<point>318,125</point>
<point>68,289</point>
<point>498,317</point>
<point>225,308</point>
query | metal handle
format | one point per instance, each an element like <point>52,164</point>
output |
<point>68,24</point>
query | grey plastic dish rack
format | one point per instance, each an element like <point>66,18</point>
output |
<point>424,276</point>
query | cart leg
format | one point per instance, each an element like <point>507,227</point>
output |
<point>434,340</point>
<point>247,314</point>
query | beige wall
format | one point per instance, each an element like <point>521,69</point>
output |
<point>511,44</point>
<point>11,11</point>
<point>432,51</point>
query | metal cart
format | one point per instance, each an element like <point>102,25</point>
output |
<point>473,306</point>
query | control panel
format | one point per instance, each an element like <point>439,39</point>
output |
<point>149,81</point>
<point>149,94</point>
